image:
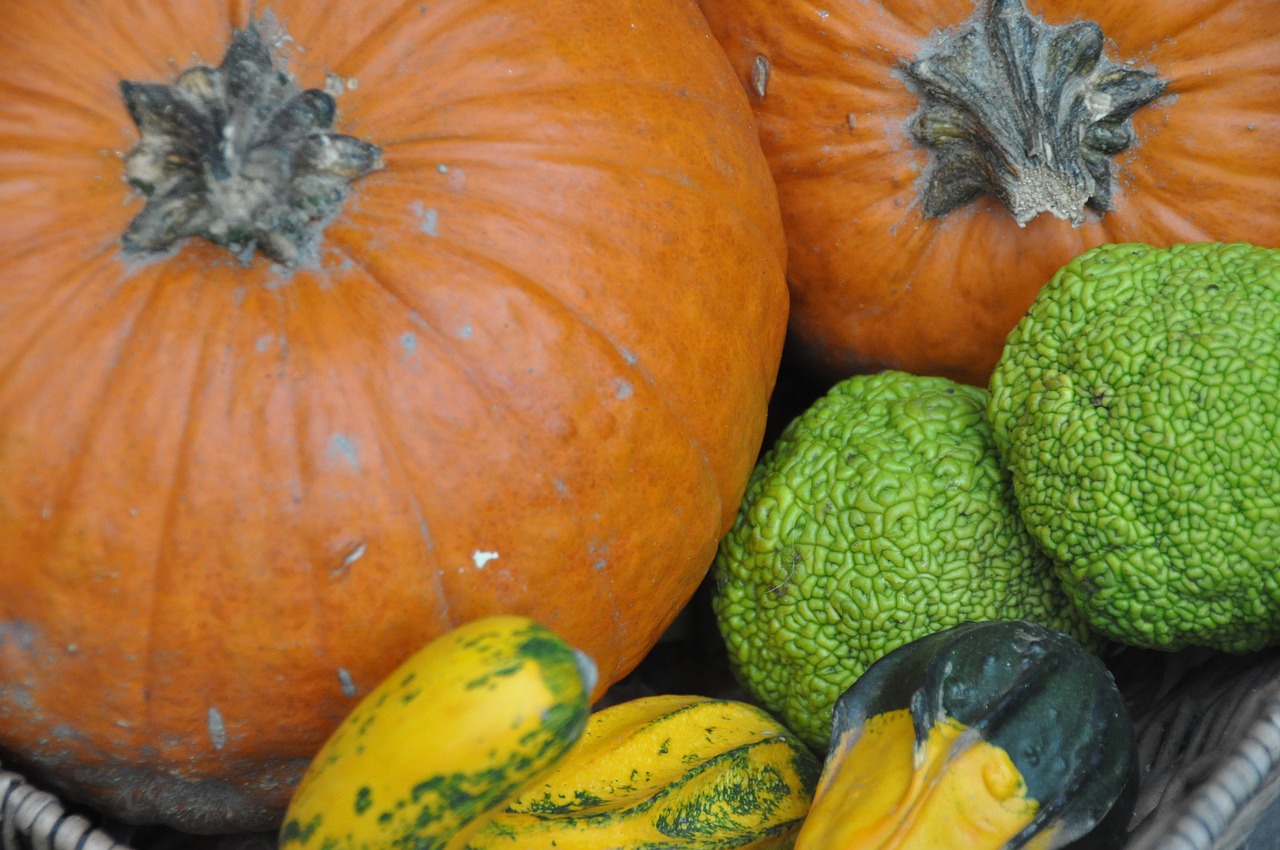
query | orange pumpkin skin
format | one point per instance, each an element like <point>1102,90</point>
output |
<point>528,375</point>
<point>876,283</point>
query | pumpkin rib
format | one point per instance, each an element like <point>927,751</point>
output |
<point>78,458</point>
<point>521,281</point>
<point>369,264</point>
<point>178,490</point>
<point>516,163</point>
<point>162,585</point>
<point>622,360</point>
<point>513,165</point>
<point>439,599</point>
<point>681,183</point>
<point>1159,219</point>
<point>607,344</point>
<point>437,603</point>
<point>322,627</point>
<point>580,90</point>
<point>636,359</point>
<point>321,639</point>
<point>907,27</point>
<point>90,109</point>
<point>326,624</point>
<point>524,84</point>
<point>1194,16</point>
<point>1205,12</point>
<point>44,63</point>
<point>1179,159</point>
<point>80,274</point>
<point>1195,73</point>
<point>394,458</point>
<point>518,153</point>
<point>488,100</point>
<point>365,49</point>
<point>492,207</point>
<point>448,342</point>
<point>99,397</point>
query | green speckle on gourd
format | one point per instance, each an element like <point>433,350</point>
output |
<point>364,800</point>
<point>295,832</point>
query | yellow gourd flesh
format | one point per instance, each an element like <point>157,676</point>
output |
<point>955,791</point>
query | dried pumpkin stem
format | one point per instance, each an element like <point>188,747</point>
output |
<point>1024,111</point>
<point>241,155</point>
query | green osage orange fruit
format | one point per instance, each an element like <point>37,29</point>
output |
<point>882,514</point>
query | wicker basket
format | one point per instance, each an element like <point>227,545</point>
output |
<point>1209,750</point>
<point>1208,742</point>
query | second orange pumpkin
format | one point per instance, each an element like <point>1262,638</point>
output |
<point>883,277</point>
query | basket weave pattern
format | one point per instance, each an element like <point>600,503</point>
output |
<point>1209,751</point>
<point>31,818</point>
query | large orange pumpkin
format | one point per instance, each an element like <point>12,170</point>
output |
<point>508,351</point>
<point>895,129</point>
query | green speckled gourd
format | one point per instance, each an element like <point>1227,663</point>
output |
<point>449,735</point>
<point>669,772</point>
<point>881,515</point>
<point>1137,405</point>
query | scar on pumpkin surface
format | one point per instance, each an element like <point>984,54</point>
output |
<point>481,557</point>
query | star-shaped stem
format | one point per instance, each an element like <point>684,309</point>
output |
<point>240,155</point>
<point>1024,111</point>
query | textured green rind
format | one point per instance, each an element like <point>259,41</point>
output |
<point>880,515</point>
<point>1035,693</point>
<point>1138,407</point>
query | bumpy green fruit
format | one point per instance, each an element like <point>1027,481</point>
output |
<point>880,516</point>
<point>1138,407</point>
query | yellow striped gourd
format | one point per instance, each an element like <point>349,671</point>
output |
<point>664,772</point>
<point>447,737</point>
